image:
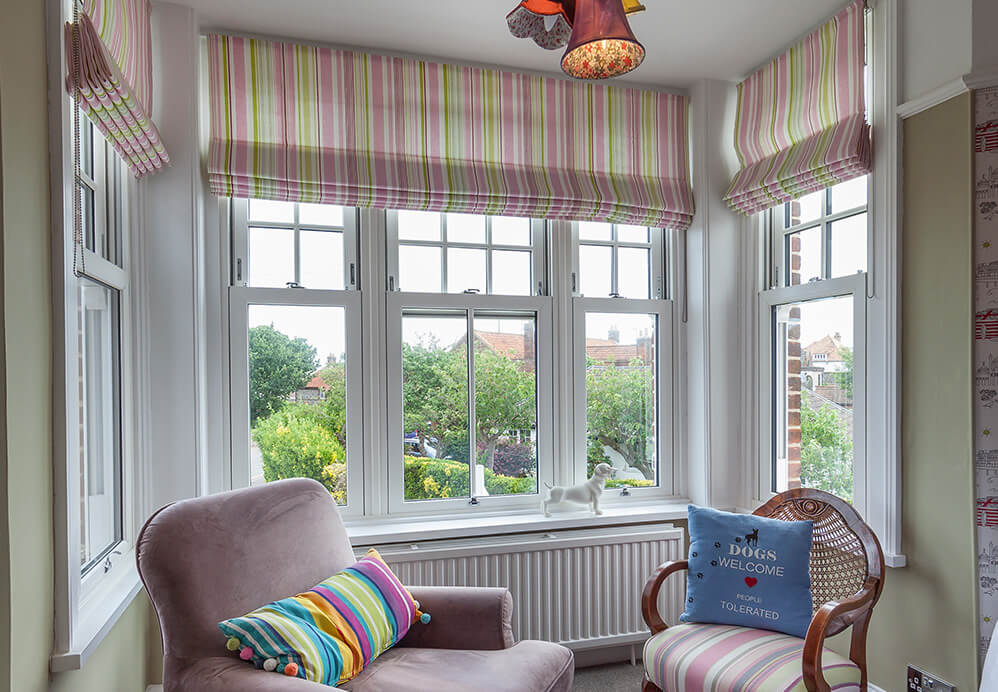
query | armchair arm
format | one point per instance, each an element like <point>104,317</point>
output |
<point>227,673</point>
<point>462,617</point>
<point>827,616</point>
<point>649,598</point>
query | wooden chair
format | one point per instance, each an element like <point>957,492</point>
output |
<point>847,578</point>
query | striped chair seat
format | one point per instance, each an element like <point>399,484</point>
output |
<point>722,658</point>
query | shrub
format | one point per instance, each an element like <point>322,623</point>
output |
<point>430,479</point>
<point>334,477</point>
<point>629,483</point>
<point>513,459</point>
<point>498,484</point>
<point>294,443</point>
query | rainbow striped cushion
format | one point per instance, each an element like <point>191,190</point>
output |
<point>331,632</point>
<point>723,658</point>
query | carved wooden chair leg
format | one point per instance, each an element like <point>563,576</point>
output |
<point>648,686</point>
<point>857,647</point>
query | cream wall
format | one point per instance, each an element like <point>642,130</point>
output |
<point>127,659</point>
<point>928,613</point>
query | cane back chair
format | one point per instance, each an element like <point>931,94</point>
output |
<point>847,578</point>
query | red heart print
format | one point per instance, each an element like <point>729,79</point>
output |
<point>751,581</point>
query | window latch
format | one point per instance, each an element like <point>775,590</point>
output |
<point>293,284</point>
<point>471,291</point>
<point>614,294</point>
<point>473,500</point>
<point>107,561</point>
<point>625,492</point>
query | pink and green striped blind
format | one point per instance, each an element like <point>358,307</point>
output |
<point>801,120</point>
<point>115,79</point>
<point>316,124</point>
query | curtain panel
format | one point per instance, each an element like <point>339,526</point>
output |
<point>115,78</point>
<point>801,120</point>
<point>316,124</point>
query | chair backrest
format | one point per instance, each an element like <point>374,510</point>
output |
<point>221,556</point>
<point>844,550</point>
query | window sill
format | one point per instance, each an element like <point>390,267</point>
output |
<point>410,529</point>
<point>97,617</point>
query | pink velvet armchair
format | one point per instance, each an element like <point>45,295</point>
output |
<point>216,557</point>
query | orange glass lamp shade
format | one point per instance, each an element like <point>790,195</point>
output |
<point>602,43</point>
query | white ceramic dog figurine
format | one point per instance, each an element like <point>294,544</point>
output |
<point>584,493</point>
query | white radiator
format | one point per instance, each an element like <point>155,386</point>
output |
<point>581,588</point>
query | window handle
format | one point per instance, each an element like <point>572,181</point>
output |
<point>293,284</point>
<point>625,492</point>
<point>471,291</point>
<point>614,294</point>
<point>107,561</point>
<point>473,500</point>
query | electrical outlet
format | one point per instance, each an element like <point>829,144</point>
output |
<point>920,681</point>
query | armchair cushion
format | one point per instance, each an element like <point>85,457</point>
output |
<point>724,658</point>
<point>331,632</point>
<point>749,571</point>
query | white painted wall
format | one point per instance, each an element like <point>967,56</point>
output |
<point>937,39</point>
<point>716,329</point>
<point>172,269</point>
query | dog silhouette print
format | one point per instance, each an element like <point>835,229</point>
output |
<point>752,538</point>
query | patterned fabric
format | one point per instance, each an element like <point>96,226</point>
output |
<point>801,120</point>
<point>544,21</point>
<point>306,123</point>
<point>722,658</point>
<point>332,631</point>
<point>115,79</point>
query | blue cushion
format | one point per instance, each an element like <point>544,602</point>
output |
<point>749,571</point>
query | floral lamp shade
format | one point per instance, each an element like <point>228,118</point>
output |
<point>602,43</point>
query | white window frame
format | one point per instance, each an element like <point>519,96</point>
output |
<point>537,247</point>
<point>661,247</point>
<point>657,247</point>
<point>882,510</point>
<point>663,310</point>
<point>853,286</point>
<point>554,250</point>
<point>398,302</point>
<point>540,307</point>
<point>240,243</point>
<point>242,296</point>
<point>88,602</point>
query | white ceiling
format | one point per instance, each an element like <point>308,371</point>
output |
<point>685,40</point>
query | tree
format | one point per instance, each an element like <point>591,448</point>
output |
<point>278,365</point>
<point>826,450</point>
<point>620,411</point>
<point>434,391</point>
<point>505,400</point>
<point>335,406</point>
<point>844,378</point>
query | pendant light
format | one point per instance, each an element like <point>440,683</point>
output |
<point>602,43</point>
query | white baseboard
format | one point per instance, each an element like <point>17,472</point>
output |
<point>874,688</point>
<point>159,688</point>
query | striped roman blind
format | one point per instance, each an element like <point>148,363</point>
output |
<point>115,80</point>
<point>316,124</point>
<point>801,120</point>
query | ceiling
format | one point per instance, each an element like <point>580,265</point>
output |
<point>685,41</point>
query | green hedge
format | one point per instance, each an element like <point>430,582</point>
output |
<point>630,483</point>
<point>294,444</point>
<point>431,479</point>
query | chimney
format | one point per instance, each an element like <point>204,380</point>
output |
<point>613,334</point>
<point>837,337</point>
